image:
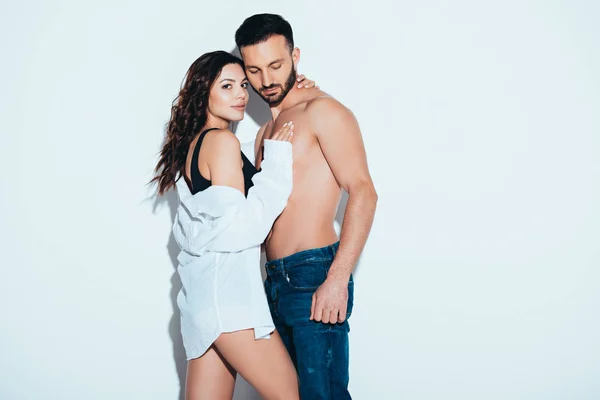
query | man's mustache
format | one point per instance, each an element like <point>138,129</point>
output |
<point>263,88</point>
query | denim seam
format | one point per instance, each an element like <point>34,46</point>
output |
<point>329,359</point>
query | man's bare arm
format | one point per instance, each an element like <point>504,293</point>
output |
<point>341,142</point>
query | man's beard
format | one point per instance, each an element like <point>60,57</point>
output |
<point>274,101</point>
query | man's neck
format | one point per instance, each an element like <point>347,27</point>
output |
<point>293,97</point>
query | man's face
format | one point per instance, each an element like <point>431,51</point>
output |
<point>270,68</point>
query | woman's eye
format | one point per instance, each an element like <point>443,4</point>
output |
<point>245,85</point>
<point>228,86</point>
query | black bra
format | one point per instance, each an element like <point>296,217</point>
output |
<point>200,183</point>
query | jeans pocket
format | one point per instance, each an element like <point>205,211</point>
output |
<point>307,277</point>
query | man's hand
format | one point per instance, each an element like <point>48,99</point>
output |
<point>330,301</point>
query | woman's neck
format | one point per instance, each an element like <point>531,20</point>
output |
<point>216,122</point>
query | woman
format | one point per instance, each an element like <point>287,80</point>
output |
<point>226,210</point>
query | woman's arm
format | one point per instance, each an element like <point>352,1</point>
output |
<point>251,218</point>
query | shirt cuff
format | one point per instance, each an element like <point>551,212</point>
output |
<point>277,150</point>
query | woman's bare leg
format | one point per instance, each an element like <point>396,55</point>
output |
<point>264,363</point>
<point>209,377</point>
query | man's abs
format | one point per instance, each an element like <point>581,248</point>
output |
<point>306,223</point>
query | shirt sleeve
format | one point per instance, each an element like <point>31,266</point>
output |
<point>249,222</point>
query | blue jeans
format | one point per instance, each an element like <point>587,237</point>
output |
<point>319,351</point>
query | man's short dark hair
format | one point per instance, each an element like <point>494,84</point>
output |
<point>260,27</point>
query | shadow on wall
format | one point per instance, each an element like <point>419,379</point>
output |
<point>174,323</point>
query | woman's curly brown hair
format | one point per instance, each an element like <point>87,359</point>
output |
<point>188,116</point>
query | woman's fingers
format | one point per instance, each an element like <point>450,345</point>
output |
<point>284,132</point>
<point>304,82</point>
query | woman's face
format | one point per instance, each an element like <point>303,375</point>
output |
<point>229,95</point>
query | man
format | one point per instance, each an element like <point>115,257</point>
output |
<point>309,284</point>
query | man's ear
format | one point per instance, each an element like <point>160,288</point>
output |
<point>296,57</point>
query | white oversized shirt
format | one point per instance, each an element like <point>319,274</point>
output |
<point>220,231</point>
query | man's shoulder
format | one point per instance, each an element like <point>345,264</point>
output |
<point>326,107</point>
<point>325,104</point>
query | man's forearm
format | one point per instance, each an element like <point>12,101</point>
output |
<point>358,220</point>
